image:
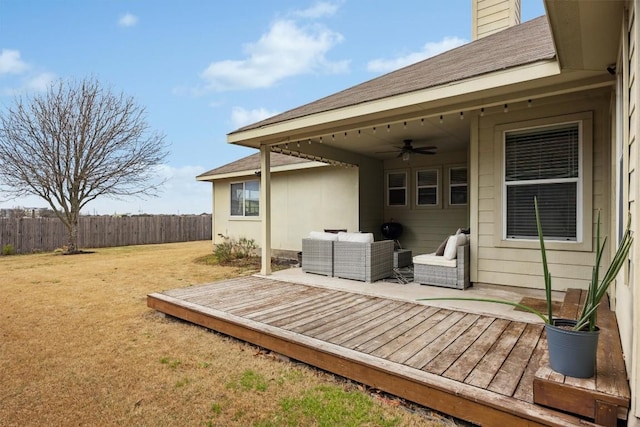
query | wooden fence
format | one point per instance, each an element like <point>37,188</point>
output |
<point>28,235</point>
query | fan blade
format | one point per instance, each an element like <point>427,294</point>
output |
<point>423,152</point>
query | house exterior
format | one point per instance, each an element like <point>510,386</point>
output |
<point>546,108</point>
<point>306,195</point>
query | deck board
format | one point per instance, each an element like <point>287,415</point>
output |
<point>474,367</point>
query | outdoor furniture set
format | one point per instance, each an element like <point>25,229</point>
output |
<point>347,255</point>
<point>357,256</point>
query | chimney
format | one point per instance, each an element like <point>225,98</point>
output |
<point>491,16</point>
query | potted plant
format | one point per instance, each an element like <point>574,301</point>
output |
<point>573,343</point>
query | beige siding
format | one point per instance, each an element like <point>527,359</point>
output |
<point>302,201</point>
<point>426,227</point>
<point>515,263</point>
<point>491,16</point>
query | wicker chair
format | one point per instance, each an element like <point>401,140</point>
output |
<point>317,256</point>
<point>438,271</point>
<point>367,262</point>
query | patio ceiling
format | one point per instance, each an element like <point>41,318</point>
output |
<point>451,133</point>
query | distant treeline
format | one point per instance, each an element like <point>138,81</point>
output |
<point>27,235</point>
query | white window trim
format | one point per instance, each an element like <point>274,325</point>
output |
<point>406,188</point>
<point>244,217</point>
<point>585,184</point>
<point>449,185</point>
<point>438,186</point>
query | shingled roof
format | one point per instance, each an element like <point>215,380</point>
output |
<point>519,45</point>
<point>252,163</point>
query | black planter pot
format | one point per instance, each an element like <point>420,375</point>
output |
<point>572,353</point>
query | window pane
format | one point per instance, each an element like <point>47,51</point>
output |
<point>397,197</point>
<point>429,177</point>
<point>397,180</point>
<point>252,198</point>
<point>542,153</point>
<point>458,195</point>
<point>458,176</point>
<point>557,206</point>
<point>427,196</point>
<point>236,199</point>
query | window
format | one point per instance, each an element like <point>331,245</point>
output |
<point>245,198</point>
<point>545,163</point>
<point>427,187</point>
<point>397,189</point>
<point>458,186</point>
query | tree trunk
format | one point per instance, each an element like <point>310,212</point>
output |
<point>72,236</point>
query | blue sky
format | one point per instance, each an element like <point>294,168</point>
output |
<point>205,68</point>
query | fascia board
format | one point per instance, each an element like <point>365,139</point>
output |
<point>251,172</point>
<point>512,76</point>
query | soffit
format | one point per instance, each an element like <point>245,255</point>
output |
<point>586,33</point>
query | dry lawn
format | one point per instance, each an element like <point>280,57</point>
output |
<point>78,346</point>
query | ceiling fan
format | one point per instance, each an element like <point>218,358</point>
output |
<point>407,150</point>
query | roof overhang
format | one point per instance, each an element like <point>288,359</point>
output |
<point>586,33</point>
<point>250,172</point>
<point>405,105</point>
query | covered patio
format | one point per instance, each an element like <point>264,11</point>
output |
<point>466,360</point>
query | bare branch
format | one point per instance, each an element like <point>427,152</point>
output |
<point>75,143</point>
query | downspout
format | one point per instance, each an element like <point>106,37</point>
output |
<point>265,207</point>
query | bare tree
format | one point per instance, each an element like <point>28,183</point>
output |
<point>75,143</point>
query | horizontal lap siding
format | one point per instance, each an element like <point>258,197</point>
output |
<point>523,267</point>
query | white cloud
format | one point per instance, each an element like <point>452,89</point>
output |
<point>128,20</point>
<point>428,50</point>
<point>39,82</point>
<point>241,117</point>
<point>10,62</point>
<point>286,50</point>
<point>318,10</point>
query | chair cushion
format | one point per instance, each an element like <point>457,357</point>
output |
<point>321,235</point>
<point>451,250</point>
<point>440,250</point>
<point>431,259</point>
<point>355,237</point>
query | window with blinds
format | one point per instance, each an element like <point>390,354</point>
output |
<point>543,163</point>
<point>427,187</point>
<point>458,186</point>
<point>397,189</point>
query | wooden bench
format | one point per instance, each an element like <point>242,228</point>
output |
<point>606,396</point>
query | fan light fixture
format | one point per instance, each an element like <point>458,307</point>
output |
<point>406,156</point>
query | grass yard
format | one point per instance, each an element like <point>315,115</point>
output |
<point>78,346</point>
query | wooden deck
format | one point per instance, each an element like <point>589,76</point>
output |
<point>473,367</point>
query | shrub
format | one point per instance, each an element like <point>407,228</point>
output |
<point>231,249</point>
<point>223,251</point>
<point>8,249</point>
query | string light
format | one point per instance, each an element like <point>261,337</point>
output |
<point>529,103</point>
<point>374,129</point>
<point>309,141</point>
<point>405,125</point>
<point>506,108</point>
<point>320,140</point>
<point>422,121</point>
<point>441,118</point>
<point>298,144</point>
<point>461,115</point>
<point>482,112</point>
<point>388,128</point>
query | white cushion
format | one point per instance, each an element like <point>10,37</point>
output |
<point>451,250</point>
<point>432,259</point>
<point>321,235</point>
<point>355,237</point>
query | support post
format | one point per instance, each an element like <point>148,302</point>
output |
<point>265,207</point>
